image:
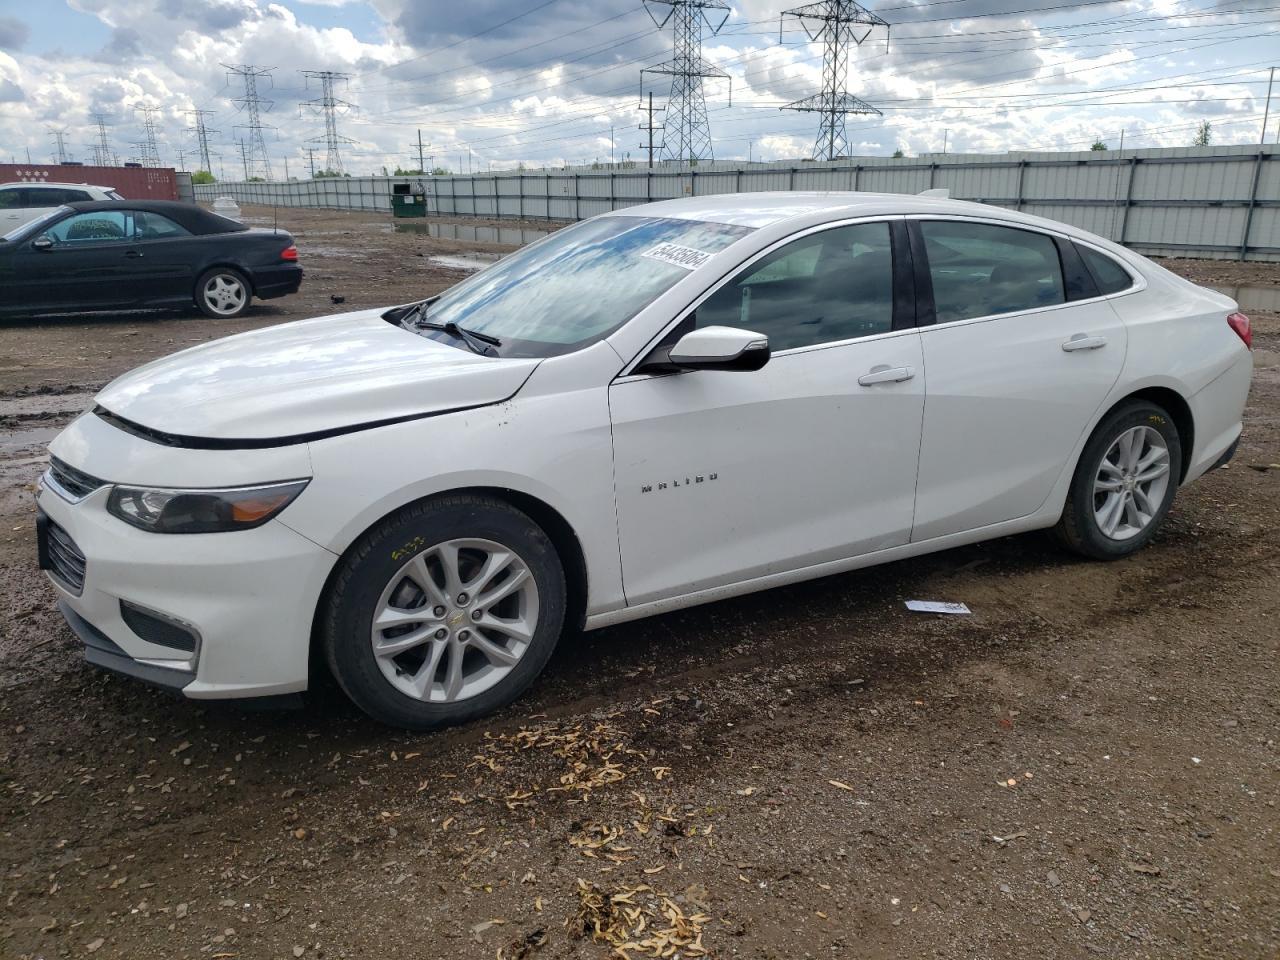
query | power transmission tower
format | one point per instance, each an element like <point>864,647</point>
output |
<point>650,110</point>
<point>838,23</point>
<point>149,152</point>
<point>202,132</point>
<point>103,156</point>
<point>688,134</point>
<point>330,106</point>
<point>60,142</point>
<point>245,150</point>
<point>182,159</point>
<point>253,106</point>
<point>311,161</point>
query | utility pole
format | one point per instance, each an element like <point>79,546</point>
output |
<point>649,126</point>
<point>182,159</point>
<point>150,152</point>
<point>1266,113</point>
<point>202,136</point>
<point>612,162</point>
<point>945,134</point>
<point>253,106</point>
<point>60,143</point>
<point>687,106</point>
<point>421,168</point>
<point>311,161</point>
<point>244,156</point>
<point>330,106</point>
<point>838,24</point>
<point>102,155</point>
<point>286,169</point>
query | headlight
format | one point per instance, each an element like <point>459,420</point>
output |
<point>161,510</point>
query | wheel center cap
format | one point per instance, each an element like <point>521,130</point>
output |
<point>457,618</point>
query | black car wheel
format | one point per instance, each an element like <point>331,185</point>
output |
<point>223,292</point>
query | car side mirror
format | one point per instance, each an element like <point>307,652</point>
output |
<point>41,243</point>
<point>720,348</point>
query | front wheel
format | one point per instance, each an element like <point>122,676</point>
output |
<point>223,293</point>
<point>1124,483</point>
<point>444,612</point>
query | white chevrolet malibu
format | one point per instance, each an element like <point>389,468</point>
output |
<point>662,406</point>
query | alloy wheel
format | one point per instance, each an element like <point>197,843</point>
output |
<point>1131,483</point>
<point>455,620</point>
<point>224,293</point>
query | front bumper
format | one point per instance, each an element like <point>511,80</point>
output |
<point>247,598</point>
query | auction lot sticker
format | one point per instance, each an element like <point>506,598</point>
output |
<point>678,256</point>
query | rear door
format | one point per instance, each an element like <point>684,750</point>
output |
<point>1020,355</point>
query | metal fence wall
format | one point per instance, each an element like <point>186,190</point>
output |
<point>1221,202</point>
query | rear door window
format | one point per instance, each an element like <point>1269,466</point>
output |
<point>154,226</point>
<point>980,270</point>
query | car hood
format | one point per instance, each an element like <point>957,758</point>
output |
<point>297,380</point>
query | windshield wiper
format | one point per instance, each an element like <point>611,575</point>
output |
<point>476,342</point>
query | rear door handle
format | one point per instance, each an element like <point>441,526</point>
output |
<point>1081,341</point>
<point>883,373</point>
<point>134,254</point>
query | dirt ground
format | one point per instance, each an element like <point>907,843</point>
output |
<point>1086,766</point>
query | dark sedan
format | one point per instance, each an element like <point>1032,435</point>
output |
<point>122,254</point>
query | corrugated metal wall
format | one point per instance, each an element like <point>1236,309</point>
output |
<point>1221,202</point>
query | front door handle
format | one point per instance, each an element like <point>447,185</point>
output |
<point>1081,341</point>
<point>883,373</point>
<point>133,254</point>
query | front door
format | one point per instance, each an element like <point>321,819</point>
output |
<point>1017,371</point>
<point>94,263</point>
<point>722,477</point>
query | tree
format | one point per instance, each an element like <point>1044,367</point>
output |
<point>407,173</point>
<point>1099,145</point>
<point>329,173</point>
<point>441,172</point>
<point>898,154</point>
<point>203,176</point>
<point>1204,134</point>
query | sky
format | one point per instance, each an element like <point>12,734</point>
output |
<point>499,83</point>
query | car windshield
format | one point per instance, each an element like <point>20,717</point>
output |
<point>578,285</point>
<point>35,223</point>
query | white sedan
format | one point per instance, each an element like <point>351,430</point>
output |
<point>655,408</point>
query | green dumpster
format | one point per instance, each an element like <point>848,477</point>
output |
<point>408,200</point>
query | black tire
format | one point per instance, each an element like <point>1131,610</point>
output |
<point>207,302</point>
<point>1078,529</point>
<point>370,564</point>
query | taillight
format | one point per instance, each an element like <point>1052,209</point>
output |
<point>291,253</point>
<point>1243,328</point>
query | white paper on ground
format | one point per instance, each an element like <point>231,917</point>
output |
<point>936,606</point>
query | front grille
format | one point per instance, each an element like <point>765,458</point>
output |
<point>75,482</point>
<point>66,562</point>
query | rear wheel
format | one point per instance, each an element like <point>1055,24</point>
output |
<point>1124,483</point>
<point>444,612</point>
<point>222,293</point>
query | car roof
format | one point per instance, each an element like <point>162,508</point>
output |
<point>52,183</point>
<point>766,208</point>
<point>193,218</point>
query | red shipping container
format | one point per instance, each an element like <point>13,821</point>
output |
<point>132,183</point>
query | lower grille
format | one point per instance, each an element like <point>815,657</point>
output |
<point>66,562</point>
